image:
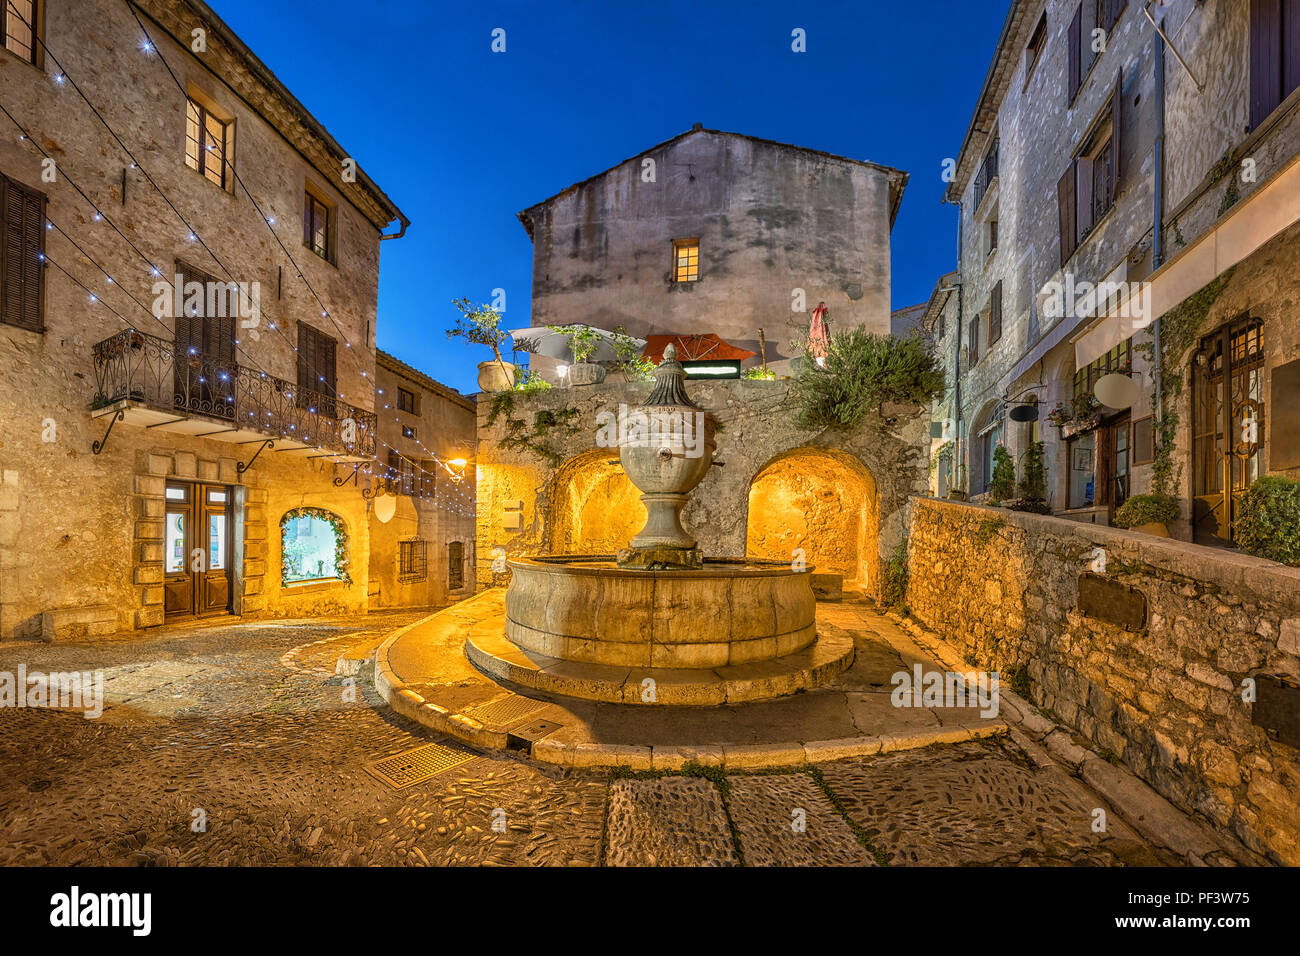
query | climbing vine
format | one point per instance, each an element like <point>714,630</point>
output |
<point>548,424</point>
<point>1179,328</point>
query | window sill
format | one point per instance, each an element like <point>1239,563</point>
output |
<point>325,259</point>
<point>312,584</point>
<point>221,189</point>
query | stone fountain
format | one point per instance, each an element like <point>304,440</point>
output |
<point>659,623</point>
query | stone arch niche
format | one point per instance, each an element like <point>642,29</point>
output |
<point>821,500</point>
<point>594,508</point>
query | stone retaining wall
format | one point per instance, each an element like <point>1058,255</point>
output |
<point>1003,588</point>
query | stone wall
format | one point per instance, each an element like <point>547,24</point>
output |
<point>1002,588</point>
<point>526,501</point>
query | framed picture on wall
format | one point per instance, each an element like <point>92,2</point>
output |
<point>1081,459</point>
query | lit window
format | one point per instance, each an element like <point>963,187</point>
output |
<point>316,227</point>
<point>207,144</point>
<point>20,28</point>
<point>686,260</point>
<point>313,546</point>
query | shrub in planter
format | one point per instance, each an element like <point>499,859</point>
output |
<point>1003,483</point>
<point>1153,509</point>
<point>1268,524</point>
<point>862,372</point>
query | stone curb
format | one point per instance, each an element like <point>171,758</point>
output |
<point>408,702</point>
<point>1141,807</point>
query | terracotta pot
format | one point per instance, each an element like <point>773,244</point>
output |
<point>1153,528</point>
<point>586,373</point>
<point>492,379</point>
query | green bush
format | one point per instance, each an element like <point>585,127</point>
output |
<point>1003,483</point>
<point>863,371</point>
<point>1268,524</point>
<point>1033,476</point>
<point>1147,509</point>
<point>893,587</point>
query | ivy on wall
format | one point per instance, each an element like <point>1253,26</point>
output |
<point>1179,328</point>
<point>340,541</point>
<point>547,424</point>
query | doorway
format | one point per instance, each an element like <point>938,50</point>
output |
<point>1113,461</point>
<point>198,575</point>
<point>1227,426</point>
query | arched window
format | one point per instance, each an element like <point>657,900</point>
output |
<point>314,546</point>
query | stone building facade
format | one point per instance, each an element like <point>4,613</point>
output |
<point>1096,158</point>
<point>837,500</point>
<point>718,232</point>
<point>172,459</point>
<point>422,554</point>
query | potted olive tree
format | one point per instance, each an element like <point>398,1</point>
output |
<point>481,325</point>
<point>583,341</point>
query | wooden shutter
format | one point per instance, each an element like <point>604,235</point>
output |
<point>429,478</point>
<point>995,313</point>
<point>1116,127</point>
<point>1066,197</point>
<point>1265,58</point>
<point>974,347</point>
<point>22,269</point>
<point>316,358</point>
<point>1074,74</point>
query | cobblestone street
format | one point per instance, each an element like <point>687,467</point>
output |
<point>238,744</point>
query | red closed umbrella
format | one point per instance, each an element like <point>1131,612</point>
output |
<point>819,333</point>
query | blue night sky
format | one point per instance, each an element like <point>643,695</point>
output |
<point>462,138</point>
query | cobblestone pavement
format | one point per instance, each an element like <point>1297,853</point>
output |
<point>237,744</point>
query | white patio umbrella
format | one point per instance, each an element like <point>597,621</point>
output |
<point>541,340</point>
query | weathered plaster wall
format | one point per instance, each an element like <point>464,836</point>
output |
<point>769,218</point>
<point>757,425</point>
<point>1002,587</point>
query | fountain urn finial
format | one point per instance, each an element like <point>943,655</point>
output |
<point>666,451</point>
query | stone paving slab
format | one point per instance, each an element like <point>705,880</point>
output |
<point>670,821</point>
<point>786,820</point>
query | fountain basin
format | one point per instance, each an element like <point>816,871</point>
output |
<point>584,608</point>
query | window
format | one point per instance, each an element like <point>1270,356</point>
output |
<point>316,223</point>
<point>993,236</point>
<point>1118,359</point>
<point>995,314</point>
<point>1035,48</point>
<point>405,400</point>
<point>408,431</point>
<point>21,29</point>
<point>686,260</point>
<point>989,444</point>
<point>973,344</point>
<point>313,546</point>
<point>1087,190</point>
<point>22,256</point>
<point>316,382</point>
<point>455,565</point>
<point>412,560</point>
<point>1274,55</point>
<point>208,144</point>
<point>401,474</point>
<point>987,173</point>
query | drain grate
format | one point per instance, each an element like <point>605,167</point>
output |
<point>412,766</point>
<point>505,710</point>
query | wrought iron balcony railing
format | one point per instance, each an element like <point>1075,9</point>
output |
<point>144,369</point>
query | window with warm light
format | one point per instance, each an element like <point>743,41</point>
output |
<point>208,143</point>
<point>316,226</point>
<point>312,546</point>
<point>686,260</point>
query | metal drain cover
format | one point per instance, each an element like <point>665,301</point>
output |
<point>412,766</point>
<point>505,710</point>
<point>531,733</point>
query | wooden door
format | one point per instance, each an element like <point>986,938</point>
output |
<point>198,577</point>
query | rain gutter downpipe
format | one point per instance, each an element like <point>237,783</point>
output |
<point>959,445</point>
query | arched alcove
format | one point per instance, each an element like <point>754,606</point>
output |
<point>595,509</point>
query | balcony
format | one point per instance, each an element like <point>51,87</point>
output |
<point>142,377</point>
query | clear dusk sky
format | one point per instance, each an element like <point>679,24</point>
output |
<point>463,138</point>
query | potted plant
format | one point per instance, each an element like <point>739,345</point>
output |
<point>627,357</point>
<point>1150,514</point>
<point>583,341</point>
<point>1002,485</point>
<point>481,325</point>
